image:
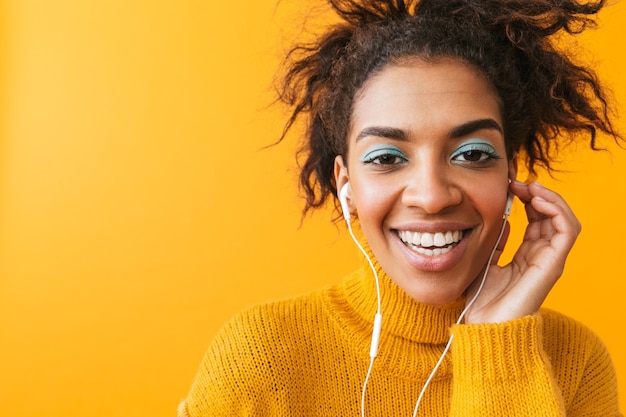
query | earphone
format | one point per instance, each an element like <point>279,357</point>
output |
<point>509,203</point>
<point>378,317</point>
<point>343,201</point>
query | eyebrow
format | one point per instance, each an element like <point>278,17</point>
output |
<point>382,132</point>
<point>459,131</point>
<point>475,125</point>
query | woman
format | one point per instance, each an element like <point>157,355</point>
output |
<point>418,114</point>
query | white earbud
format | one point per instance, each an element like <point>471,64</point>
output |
<point>343,200</point>
<point>509,204</point>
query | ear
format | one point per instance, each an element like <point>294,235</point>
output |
<point>342,178</point>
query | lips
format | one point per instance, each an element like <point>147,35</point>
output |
<point>431,244</point>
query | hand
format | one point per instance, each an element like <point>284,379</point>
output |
<point>519,288</point>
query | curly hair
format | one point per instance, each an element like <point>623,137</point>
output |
<point>546,97</point>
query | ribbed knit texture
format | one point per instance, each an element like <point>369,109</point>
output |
<point>308,356</point>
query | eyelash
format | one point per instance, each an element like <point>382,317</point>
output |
<point>483,148</point>
<point>374,157</point>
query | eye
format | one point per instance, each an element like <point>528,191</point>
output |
<point>473,156</point>
<point>384,155</point>
<point>385,159</point>
<point>474,152</point>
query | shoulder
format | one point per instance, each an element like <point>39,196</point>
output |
<point>251,354</point>
<point>265,332</point>
<point>265,319</point>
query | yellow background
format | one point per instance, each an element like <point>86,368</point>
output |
<point>138,211</point>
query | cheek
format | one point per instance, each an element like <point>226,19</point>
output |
<point>373,201</point>
<point>490,204</point>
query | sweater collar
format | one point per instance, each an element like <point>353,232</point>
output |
<point>402,315</point>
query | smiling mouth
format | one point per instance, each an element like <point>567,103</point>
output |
<point>431,244</point>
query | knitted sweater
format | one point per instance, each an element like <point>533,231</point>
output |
<point>308,356</point>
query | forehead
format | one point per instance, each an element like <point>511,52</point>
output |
<point>415,94</point>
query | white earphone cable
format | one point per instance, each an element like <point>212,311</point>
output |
<point>377,321</point>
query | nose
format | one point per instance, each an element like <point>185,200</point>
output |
<point>431,189</point>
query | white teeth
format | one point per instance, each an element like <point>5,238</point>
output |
<point>431,244</point>
<point>428,240</point>
<point>439,240</point>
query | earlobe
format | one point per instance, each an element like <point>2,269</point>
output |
<point>341,173</point>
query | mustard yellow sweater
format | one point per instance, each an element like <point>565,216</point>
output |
<point>308,356</point>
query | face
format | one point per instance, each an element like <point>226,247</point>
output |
<point>428,174</point>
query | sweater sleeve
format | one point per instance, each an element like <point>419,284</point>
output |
<point>505,369</point>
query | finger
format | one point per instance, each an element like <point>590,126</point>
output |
<point>525,195</point>
<point>527,192</point>
<point>521,190</point>
<point>538,190</point>
<point>548,203</point>
<point>532,214</point>
<point>547,219</point>
<point>560,225</point>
